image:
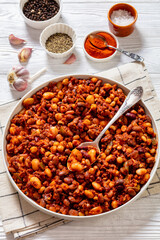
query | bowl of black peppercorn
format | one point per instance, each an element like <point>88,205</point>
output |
<point>39,14</point>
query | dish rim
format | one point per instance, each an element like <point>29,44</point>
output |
<point>19,106</point>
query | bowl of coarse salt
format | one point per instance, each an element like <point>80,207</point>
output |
<point>122,18</point>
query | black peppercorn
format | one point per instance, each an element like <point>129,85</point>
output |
<point>40,10</point>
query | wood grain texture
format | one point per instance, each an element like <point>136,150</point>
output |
<point>140,220</point>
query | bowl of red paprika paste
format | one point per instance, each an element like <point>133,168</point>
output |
<point>95,50</point>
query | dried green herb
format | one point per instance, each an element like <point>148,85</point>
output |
<point>16,176</point>
<point>59,43</point>
<point>42,166</point>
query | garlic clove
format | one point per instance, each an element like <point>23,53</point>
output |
<point>71,59</point>
<point>20,84</point>
<point>23,73</point>
<point>16,41</point>
<point>24,54</point>
<point>16,69</point>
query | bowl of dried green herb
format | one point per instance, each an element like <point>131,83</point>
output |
<point>58,40</point>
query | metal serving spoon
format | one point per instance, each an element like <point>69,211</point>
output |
<point>132,98</point>
<point>128,54</point>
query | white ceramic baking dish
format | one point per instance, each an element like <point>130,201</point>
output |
<point>18,107</point>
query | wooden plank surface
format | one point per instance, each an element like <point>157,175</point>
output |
<point>140,220</point>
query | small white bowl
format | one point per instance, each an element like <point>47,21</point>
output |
<point>100,59</point>
<point>40,24</point>
<point>57,28</point>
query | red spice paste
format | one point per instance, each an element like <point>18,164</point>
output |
<point>100,53</point>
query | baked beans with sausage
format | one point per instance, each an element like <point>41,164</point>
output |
<point>54,121</point>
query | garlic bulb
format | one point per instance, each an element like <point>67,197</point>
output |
<point>18,78</point>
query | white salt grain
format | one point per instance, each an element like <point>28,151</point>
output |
<point>122,17</point>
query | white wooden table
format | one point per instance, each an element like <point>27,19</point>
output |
<point>141,220</point>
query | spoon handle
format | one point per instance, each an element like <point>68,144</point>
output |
<point>129,54</point>
<point>132,98</point>
<point>132,55</point>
